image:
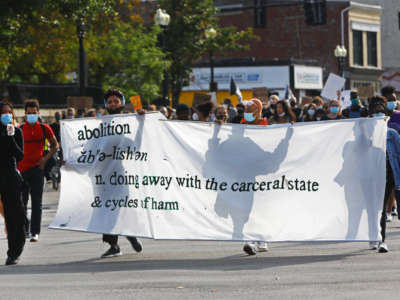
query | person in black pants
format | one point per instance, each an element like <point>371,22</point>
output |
<point>11,151</point>
<point>114,102</point>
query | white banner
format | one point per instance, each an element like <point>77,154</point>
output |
<point>146,177</point>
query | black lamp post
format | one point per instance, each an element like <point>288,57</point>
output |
<point>341,54</point>
<point>80,30</point>
<point>210,35</point>
<point>162,19</point>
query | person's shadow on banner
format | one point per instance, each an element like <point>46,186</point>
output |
<point>357,176</point>
<point>103,219</point>
<point>240,159</point>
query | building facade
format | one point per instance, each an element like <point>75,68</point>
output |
<point>285,35</point>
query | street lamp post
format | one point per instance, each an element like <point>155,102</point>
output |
<point>80,30</point>
<point>211,33</point>
<point>341,54</point>
<point>162,19</point>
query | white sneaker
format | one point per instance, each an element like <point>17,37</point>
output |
<point>373,245</point>
<point>383,248</point>
<point>35,238</point>
<point>250,248</point>
<point>262,247</point>
<point>389,217</point>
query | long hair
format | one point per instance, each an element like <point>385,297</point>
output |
<point>288,111</point>
<point>2,104</point>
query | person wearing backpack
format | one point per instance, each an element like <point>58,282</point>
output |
<point>33,164</point>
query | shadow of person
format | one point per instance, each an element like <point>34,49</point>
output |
<point>104,218</point>
<point>240,159</point>
<point>360,159</point>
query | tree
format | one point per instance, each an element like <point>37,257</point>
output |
<point>186,41</point>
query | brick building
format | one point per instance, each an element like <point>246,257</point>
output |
<point>285,36</point>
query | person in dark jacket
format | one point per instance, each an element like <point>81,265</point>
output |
<point>11,151</point>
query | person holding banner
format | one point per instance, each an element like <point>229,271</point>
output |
<point>11,151</point>
<point>252,114</point>
<point>114,102</point>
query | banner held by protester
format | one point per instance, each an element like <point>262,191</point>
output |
<point>146,177</point>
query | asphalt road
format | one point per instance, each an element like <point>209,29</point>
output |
<point>66,265</point>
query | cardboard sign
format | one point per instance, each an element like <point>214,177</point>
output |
<point>333,84</point>
<point>365,92</point>
<point>200,98</point>
<point>136,102</point>
<point>79,102</point>
<point>261,93</point>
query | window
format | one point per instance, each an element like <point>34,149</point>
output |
<point>260,13</point>
<point>372,49</point>
<point>358,57</point>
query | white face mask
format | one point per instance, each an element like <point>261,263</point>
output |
<point>195,117</point>
<point>282,114</point>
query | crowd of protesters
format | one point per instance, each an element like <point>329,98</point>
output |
<point>27,148</point>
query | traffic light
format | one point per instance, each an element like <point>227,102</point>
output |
<point>315,12</point>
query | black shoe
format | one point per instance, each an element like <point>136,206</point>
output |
<point>250,249</point>
<point>11,261</point>
<point>113,251</point>
<point>135,244</point>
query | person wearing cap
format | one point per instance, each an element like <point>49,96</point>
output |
<point>114,102</point>
<point>252,113</point>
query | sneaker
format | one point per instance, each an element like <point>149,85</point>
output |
<point>113,251</point>
<point>389,217</point>
<point>34,238</point>
<point>136,245</point>
<point>262,247</point>
<point>250,249</point>
<point>394,211</point>
<point>11,261</point>
<point>383,248</point>
<point>373,245</point>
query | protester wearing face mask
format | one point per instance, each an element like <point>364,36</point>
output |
<point>389,92</point>
<point>333,111</point>
<point>240,113</point>
<point>33,164</point>
<point>114,102</point>
<point>70,113</point>
<point>221,115</point>
<point>309,112</point>
<point>377,107</point>
<point>11,151</point>
<point>270,110</point>
<point>319,103</point>
<point>283,114</point>
<point>294,107</point>
<point>252,113</point>
<point>355,110</point>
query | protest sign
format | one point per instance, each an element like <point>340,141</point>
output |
<point>142,176</point>
<point>136,102</point>
<point>345,100</point>
<point>333,84</point>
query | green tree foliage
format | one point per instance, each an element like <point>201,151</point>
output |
<point>186,40</point>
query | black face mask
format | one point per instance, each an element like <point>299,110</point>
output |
<point>273,106</point>
<point>114,111</point>
<point>220,117</point>
<point>240,111</point>
<point>292,104</point>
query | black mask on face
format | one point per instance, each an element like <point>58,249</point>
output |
<point>240,111</point>
<point>273,106</point>
<point>292,104</point>
<point>114,111</point>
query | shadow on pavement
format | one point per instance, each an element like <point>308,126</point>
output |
<point>231,263</point>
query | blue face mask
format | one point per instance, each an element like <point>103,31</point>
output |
<point>249,117</point>
<point>378,115</point>
<point>6,119</point>
<point>320,107</point>
<point>32,118</point>
<point>98,115</point>
<point>311,112</point>
<point>334,110</point>
<point>391,105</point>
<point>354,101</point>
